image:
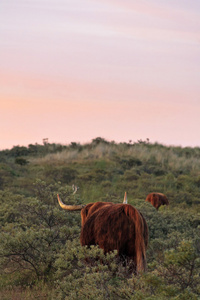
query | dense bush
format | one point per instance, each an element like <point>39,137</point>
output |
<point>40,253</point>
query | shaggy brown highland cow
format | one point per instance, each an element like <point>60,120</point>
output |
<point>157,199</point>
<point>112,226</point>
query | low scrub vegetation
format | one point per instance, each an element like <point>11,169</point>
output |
<point>40,253</point>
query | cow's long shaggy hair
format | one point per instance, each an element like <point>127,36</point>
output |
<point>157,199</point>
<point>118,227</point>
<point>91,208</point>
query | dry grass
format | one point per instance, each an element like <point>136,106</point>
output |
<point>161,155</point>
<point>18,293</point>
<point>71,155</point>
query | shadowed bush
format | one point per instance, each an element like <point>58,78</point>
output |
<point>40,252</point>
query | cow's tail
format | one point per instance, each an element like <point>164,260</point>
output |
<point>141,237</point>
<point>140,247</point>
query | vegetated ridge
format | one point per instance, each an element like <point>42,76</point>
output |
<point>40,251</point>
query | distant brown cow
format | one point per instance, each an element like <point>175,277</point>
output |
<point>157,199</point>
<point>112,226</point>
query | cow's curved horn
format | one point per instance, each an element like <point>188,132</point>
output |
<point>125,199</point>
<point>69,207</point>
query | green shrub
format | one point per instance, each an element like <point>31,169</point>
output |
<point>21,161</point>
<point>40,252</point>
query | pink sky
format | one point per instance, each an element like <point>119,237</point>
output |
<point>123,70</point>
